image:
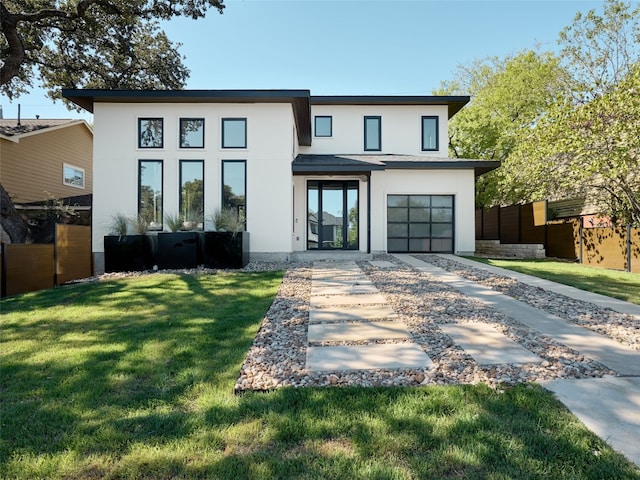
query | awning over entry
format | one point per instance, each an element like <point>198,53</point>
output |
<point>319,164</point>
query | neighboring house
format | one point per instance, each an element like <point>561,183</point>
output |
<point>40,159</point>
<point>375,167</point>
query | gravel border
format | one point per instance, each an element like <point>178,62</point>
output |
<point>422,302</point>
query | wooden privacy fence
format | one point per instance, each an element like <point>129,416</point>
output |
<point>26,268</point>
<point>607,247</point>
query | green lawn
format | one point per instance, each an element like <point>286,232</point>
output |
<point>613,283</point>
<point>133,379</point>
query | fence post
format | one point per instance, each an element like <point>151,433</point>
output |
<point>628,247</point>
<point>3,271</point>
<point>580,220</point>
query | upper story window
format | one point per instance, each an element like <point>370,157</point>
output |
<point>429,134</point>
<point>150,132</point>
<point>192,133</point>
<point>72,176</point>
<point>323,126</point>
<point>373,133</point>
<point>234,133</point>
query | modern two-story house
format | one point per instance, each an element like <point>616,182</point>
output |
<point>310,173</point>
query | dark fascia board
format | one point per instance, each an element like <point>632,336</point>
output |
<point>299,99</point>
<point>480,167</point>
<point>455,103</point>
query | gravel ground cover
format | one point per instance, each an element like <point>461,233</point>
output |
<point>277,357</point>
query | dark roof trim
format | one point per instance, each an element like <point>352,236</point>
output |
<point>299,99</point>
<point>324,164</point>
<point>455,103</point>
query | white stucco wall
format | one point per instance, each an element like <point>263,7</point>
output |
<point>401,129</point>
<point>269,152</point>
<point>425,182</point>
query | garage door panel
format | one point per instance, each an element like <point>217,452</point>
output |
<point>420,223</point>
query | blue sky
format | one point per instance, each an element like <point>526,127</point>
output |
<point>358,47</point>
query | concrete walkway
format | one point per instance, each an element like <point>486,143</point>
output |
<point>351,327</point>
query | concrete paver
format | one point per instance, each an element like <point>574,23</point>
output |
<point>609,406</point>
<point>350,313</point>
<point>486,345</point>
<point>333,332</point>
<point>367,357</point>
<point>610,353</point>
<point>361,299</point>
<point>342,288</point>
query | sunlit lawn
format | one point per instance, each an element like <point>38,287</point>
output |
<point>134,379</point>
<point>613,283</point>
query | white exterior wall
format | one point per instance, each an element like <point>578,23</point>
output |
<point>425,182</point>
<point>401,129</point>
<point>269,152</point>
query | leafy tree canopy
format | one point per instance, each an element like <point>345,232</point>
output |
<point>592,151</point>
<point>92,44</point>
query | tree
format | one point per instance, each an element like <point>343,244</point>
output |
<point>591,150</point>
<point>508,98</point>
<point>92,44</point>
<point>600,50</point>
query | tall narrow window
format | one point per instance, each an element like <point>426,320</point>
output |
<point>234,133</point>
<point>373,133</point>
<point>234,186</point>
<point>192,193</point>
<point>192,133</point>
<point>429,134</point>
<point>150,133</point>
<point>323,126</point>
<point>150,192</point>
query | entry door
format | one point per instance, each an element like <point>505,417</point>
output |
<point>332,215</point>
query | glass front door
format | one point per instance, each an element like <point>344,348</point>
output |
<point>332,215</point>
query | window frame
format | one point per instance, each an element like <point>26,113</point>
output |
<point>156,144</point>
<point>315,126</point>
<point>222,180</point>
<point>222,136</point>
<point>202,128</point>
<point>69,184</point>
<point>161,162</point>
<point>437,133</point>
<point>180,197</point>
<point>366,133</point>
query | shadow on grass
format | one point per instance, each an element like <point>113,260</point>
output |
<point>133,379</point>
<point>109,363</point>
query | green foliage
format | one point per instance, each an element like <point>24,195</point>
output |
<point>140,224</point>
<point>119,224</point>
<point>228,220</point>
<point>173,222</point>
<point>92,44</point>
<point>590,150</point>
<point>600,50</point>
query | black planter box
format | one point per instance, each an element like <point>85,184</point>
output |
<point>177,250</point>
<point>128,253</point>
<point>224,249</point>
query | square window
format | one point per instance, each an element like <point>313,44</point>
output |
<point>234,133</point>
<point>72,176</point>
<point>429,134</point>
<point>372,133</point>
<point>192,133</point>
<point>150,133</point>
<point>323,126</point>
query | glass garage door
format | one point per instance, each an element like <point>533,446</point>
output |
<point>420,223</point>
